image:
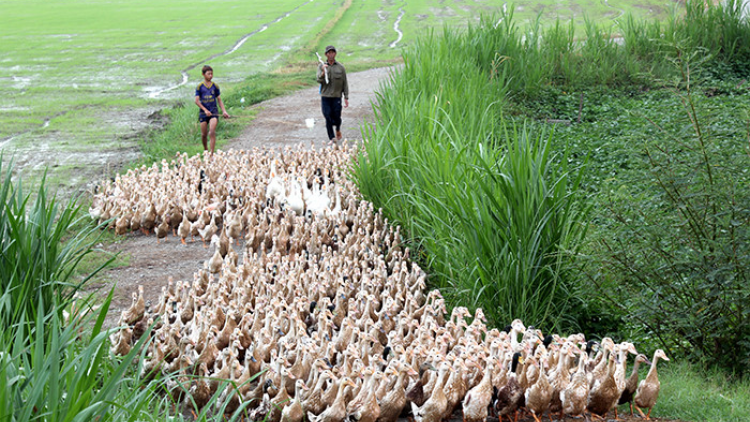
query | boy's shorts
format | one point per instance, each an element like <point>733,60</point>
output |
<point>203,118</point>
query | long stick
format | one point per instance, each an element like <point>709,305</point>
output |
<point>325,71</point>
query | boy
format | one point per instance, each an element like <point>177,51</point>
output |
<point>207,95</point>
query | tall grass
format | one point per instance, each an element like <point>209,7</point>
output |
<point>39,253</point>
<point>56,373</point>
<point>47,373</point>
<point>484,203</point>
<point>719,31</point>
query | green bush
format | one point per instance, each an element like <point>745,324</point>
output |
<point>678,254</point>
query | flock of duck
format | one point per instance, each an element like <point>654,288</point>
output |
<point>325,317</point>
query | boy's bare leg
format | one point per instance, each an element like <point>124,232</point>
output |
<point>204,135</point>
<point>212,133</point>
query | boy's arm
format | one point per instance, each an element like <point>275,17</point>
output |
<point>223,110</point>
<point>200,106</point>
<point>346,91</point>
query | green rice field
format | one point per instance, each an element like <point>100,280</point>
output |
<point>82,79</point>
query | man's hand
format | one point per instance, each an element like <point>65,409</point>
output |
<point>226,115</point>
<point>346,102</point>
<point>208,113</point>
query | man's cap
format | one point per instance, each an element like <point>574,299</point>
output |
<point>330,48</point>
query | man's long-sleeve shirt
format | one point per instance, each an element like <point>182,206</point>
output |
<point>337,83</point>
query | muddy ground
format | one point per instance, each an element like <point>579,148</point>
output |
<point>280,122</point>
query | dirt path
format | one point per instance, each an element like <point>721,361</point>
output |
<point>279,123</point>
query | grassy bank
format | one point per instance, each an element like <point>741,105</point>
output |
<point>662,200</point>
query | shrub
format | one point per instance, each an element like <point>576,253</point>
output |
<point>679,257</point>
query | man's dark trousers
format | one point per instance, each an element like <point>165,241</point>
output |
<point>332,112</point>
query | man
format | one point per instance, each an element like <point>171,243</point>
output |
<point>331,91</point>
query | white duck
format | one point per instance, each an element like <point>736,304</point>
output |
<point>295,200</point>
<point>275,189</point>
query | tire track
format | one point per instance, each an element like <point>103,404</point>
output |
<point>616,18</point>
<point>396,28</point>
<point>235,47</point>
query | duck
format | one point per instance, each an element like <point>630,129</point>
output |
<point>314,402</point>
<point>183,230</point>
<point>210,230</point>
<point>539,395</point>
<point>200,391</point>
<point>234,227</point>
<point>622,360</point>
<point>121,342</point>
<point>648,390</point>
<point>275,189</point>
<point>632,382</point>
<point>337,411</point>
<point>137,309</point>
<point>394,401</point>
<point>509,396</point>
<point>255,396</point>
<point>122,224</point>
<point>603,395</point>
<point>433,409</point>
<point>162,230</point>
<point>477,400</point>
<point>369,411</point>
<point>295,200</point>
<point>560,377</point>
<point>293,411</point>
<point>455,387</point>
<point>415,394</point>
<point>279,400</point>
<point>148,219</point>
<point>597,367</point>
<point>153,365</point>
<point>574,396</point>
<point>214,264</point>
